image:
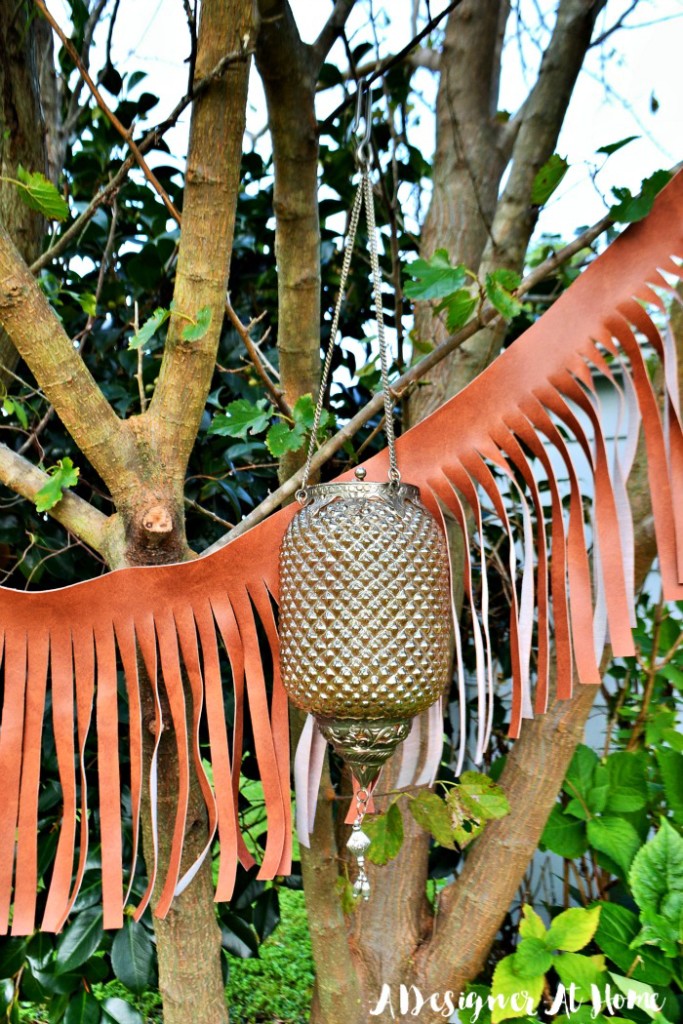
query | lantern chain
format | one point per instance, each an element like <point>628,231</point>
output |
<point>346,266</point>
<point>364,193</point>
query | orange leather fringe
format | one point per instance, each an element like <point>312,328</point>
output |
<point>523,409</point>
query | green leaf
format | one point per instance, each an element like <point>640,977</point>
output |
<point>12,956</point>
<point>656,880</point>
<point>615,837</point>
<point>149,328</point>
<point>88,303</point>
<point>582,971</point>
<point>617,929</point>
<point>531,925</point>
<point>573,929</point>
<point>519,996</point>
<point>499,287</point>
<point>564,835</point>
<point>6,996</point>
<point>63,475</point>
<point>82,1009</point>
<point>13,405</point>
<point>79,941</point>
<point>132,955</point>
<point>630,208</point>
<point>627,782</point>
<point>637,988</point>
<point>673,674</point>
<point>671,770</point>
<point>532,958</point>
<point>196,331</point>
<point>119,1011</point>
<point>304,413</point>
<point>548,178</point>
<point>614,146</point>
<point>434,816</point>
<point>386,833</point>
<point>458,308</point>
<point>579,778</point>
<point>484,797</point>
<point>40,194</point>
<point>434,278</point>
<point>281,439</point>
<point>241,417</point>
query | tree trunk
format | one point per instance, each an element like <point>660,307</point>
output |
<point>467,217</point>
<point>22,142</point>
<point>289,78</point>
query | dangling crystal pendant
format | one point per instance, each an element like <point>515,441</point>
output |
<point>357,844</point>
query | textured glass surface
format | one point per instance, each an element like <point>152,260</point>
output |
<point>364,604</point>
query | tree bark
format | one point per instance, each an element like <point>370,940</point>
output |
<point>467,217</point>
<point>486,239</point>
<point>289,70</point>
<point>289,75</point>
<point>22,141</point>
<point>143,460</point>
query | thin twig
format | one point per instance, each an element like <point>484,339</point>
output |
<point>125,133</point>
<point>487,315</point>
<point>244,332</point>
<point>206,512</point>
<point>390,63</point>
<point>145,144</point>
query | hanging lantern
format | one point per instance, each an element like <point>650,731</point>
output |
<point>364,586</point>
<point>364,616</point>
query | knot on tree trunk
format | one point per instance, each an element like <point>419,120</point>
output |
<point>157,520</point>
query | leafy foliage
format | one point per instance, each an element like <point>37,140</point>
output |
<point>40,194</point>
<point>548,178</point>
<point>630,208</point>
<point>500,285</point>
<point>62,476</point>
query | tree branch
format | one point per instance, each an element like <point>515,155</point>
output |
<point>398,58</point>
<point>125,133</point>
<point>244,331</point>
<point>487,316</point>
<point>330,32</point>
<point>59,369</point>
<point>145,144</point>
<point>515,216</point>
<point>77,515</point>
<point>212,185</point>
<point>289,76</point>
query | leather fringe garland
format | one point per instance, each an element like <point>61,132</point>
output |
<point>512,423</point>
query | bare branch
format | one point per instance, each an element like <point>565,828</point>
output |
<point>487,316</point>
<point>77,515</point>
<point>125,133</point>
<point>74,111</point>
<point>619,23</point>
<point>145,144</point>
<point>397,59</point>
<point>330,31</point>
<point>244,331</point>
<point>59,369</point>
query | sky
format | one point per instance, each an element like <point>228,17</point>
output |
<point>629,86</point>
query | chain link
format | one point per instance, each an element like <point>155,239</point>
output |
<point>394,475</point>
<point>363,193</point>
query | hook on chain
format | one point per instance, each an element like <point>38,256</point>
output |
<point>363,114</point>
